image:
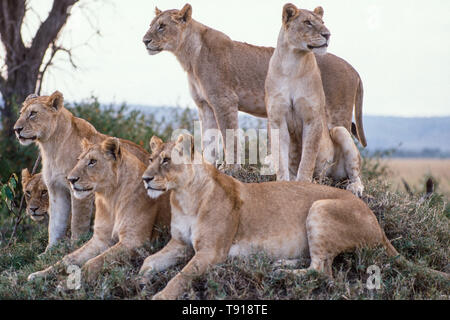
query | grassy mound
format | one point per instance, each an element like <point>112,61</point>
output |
<point>418,228</point>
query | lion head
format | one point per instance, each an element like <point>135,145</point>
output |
<point>305,30</point>
<point>96,169</point>
<point>37,117</point>
<point>36,195</point>
<point>169,165</point>
<point>166,29</point>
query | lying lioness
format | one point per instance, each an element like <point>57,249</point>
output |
<point>36,195</point>
<point>125,216</point>
<point>296,102</point>
<point>218,217</point>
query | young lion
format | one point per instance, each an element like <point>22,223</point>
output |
<point>296,105</point>
<point>44,121</point>
<point>125,217</point>
<point>218,216</point>
<point>36,195</point>
<point>226,76</point>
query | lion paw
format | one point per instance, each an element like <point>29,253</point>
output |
<point>37,275</point>
<point>356,188</point>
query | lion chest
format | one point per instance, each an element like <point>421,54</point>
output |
<point>182,226</point>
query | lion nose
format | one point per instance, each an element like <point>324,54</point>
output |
<point>147,179</point>
<point>146,42</point>
<point>33,209</point>
<point>18,129</point>
<point>73,180</point>
<point>326,35</point>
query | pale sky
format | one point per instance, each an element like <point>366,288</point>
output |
<point>400,48</point>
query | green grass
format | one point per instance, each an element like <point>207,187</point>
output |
<point>419,230</point>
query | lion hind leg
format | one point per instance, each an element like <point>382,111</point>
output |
<point>351,158</point>
<point>334,226</point>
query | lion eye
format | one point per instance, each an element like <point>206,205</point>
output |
<point>92,162</point>
<point>308,23</point>
<point>32,114</point>
<point>166,160</point>
<point>28,193</point>
<point>44,192</point>
<point>161,27</point>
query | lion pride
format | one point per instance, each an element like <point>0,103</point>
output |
<point>46,122</point>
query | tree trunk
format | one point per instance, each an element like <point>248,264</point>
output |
<point>24,63</point>
<point>17,87</point>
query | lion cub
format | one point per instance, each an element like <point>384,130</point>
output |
<point>295,103</point>
<point>125,216</point>
<point>218,216</point>
<point>36,195</point>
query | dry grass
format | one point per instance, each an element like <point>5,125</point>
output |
<point>415,172</point>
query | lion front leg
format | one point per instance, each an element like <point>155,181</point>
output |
<point>59,212</point>
<point>171,254</point>
<point>93,267</point>
<point>196,267</point>
<point>281,163</point>
<point>92,248</point>
<point>311,134</point>
<point>81,216</point>
<point>225,109</point>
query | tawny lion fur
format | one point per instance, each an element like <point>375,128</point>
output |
<point>36,195</point>
<point>45,121</point>
<point>226,76</point>
<point>216,216</point>
<point>295,103</point>
<point>125,216</point>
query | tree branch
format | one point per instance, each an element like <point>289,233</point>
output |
<point>50,28</point>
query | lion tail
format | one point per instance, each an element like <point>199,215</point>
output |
<point>401,261</point>
<point>358,113</point>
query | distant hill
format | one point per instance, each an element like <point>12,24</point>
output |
<point>409,137</point>
<point>408,134</point>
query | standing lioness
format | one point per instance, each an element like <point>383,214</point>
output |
<point>125,217</point>
<point>218,216</point>
<point>295,103</point>
<point>226,76</point>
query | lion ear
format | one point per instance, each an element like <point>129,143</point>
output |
<point>290,11</point>
<point>185,13</point>
<point>185,146</point>
<point>157,11</point>
<point>155,143</point>
<point>319,11</point>
<point>56,100</point>
<point>85,144</point>
<point>111,146</point>
<point>26,176</point>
